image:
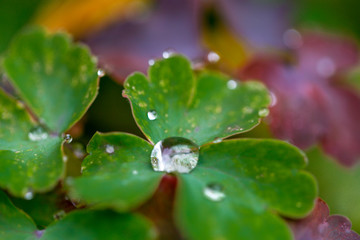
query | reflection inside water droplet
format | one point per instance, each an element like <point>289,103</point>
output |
<point>263,112</point>
<point>109,149</point>
<point>175,154</point>
<point>152,115</point>
<point>214,192</point>
<point>38,133</point>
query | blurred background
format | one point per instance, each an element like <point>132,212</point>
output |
<point>305,51</point>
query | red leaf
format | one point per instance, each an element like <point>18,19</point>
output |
<point>320,226</point>
<point>313,104</point>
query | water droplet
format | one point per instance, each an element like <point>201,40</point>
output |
<point>175,154</point>
<point>65,158</point>
<point>39,233</point>
<point>292,39</point>
<point>100,73</point>
<point>152,115</point>
<point>109,149</point>
<point>29,194</point>
<point>264,112</point>
<point>59,215</point>
<point>325,67</point>
<point>213,57</point>
<point>231,84</point>
<point>68,138</point>
<point>217,140</point>
<point>168,53</point>
<point>135,172</point>
<point>214,192</point>
<point>151,62</point>
<point>234,128</point>
<point>38,133</point>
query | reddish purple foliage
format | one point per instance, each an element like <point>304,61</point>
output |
<point>320,226</point>
<point>127,46</point>
<point>313,103</point>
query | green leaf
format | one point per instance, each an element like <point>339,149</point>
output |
<point>55,77</point>
<point>117,173</point>
<point>95,225</point>
<point>14,14</point>
<point>338,185</point>
<point>200,107</point>
<point>14,224</point>
<point>26,165</point>
<point>82,224</point>
<point>258,178</point>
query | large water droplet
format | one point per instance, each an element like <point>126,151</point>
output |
<point>214,192</point>
<point>152,115</point>
<point>264,112</point>
<point>175,154</point>
<point>68,138</point>
<point>38,133</point>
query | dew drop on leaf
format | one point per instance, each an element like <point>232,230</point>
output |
<point>264,112</point>
<point>151,62</point>
<point>109,149</point>
<point>59,215</point>
<point>168,53</point>
<point>68,138</point>
<point>214,192</point>
<point>152,115</point>
<point>135,172</point>
<point>231,84</point>
<point>213,57</point>
<point>175,154</point>
<point>100,73</point>
<point>217,140</point>
<point>29,194</point>
<point>38,133</point>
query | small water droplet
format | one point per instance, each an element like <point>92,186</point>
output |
<point>65,158</point>
<point>59,215</point>
<point>68,138</point>
<point>213,57</point>
<point>38,133</point>
<point>175,154</point>
<point>135,172</point>
<point>217,140</point>
<point>234,128</point>
<point>214,192</point>
<point>168,53</point>
<point>109,149</point>
<point>152,115</point>
<point>231,84</point>
<point>151,62</point>
<point>29,194</point>
<point>292,39</point>
<point>39,233</point>
<point>100,73</point>
<point>264,112</point>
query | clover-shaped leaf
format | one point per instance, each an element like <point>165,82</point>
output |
<point>81,224</point>
<point>203,108</point>
<point>238,185</point>
<point>57,80</point>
